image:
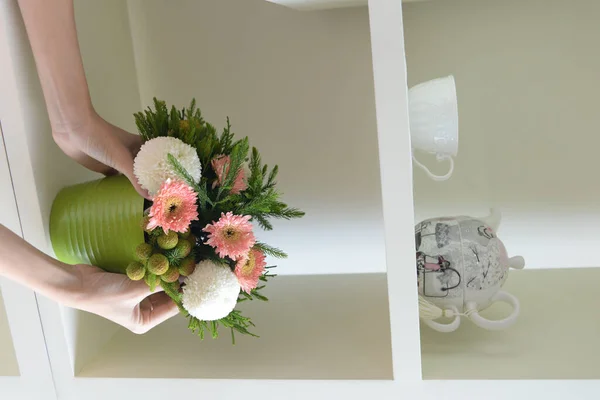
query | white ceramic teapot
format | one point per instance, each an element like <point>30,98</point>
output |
<point>461,267</point>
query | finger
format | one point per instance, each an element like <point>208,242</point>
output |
<point>121,159</point>
<point>132,143</point>
<point>156,309</point>
<point>140,290</point>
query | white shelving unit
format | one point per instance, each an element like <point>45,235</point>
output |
<point>324,95</point>
<point>307,111</point>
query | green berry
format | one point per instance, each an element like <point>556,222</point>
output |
<point>158,264</point>
<point>185,234</point>
<point>143,252</point>
<point>183,249</point>
<point>167,241</point>
<point>135,271</point>
<point>171,275</point>
<point>187,266</point>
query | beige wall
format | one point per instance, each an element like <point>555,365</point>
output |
<point>300,86</point>
<point>527,81</point>
<point>107,51</point>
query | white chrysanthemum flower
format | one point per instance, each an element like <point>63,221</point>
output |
<point>152,167</point>
<point>211,292</point>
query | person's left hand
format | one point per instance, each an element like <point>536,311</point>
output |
<point>119,299</point>
<point>100,146</point>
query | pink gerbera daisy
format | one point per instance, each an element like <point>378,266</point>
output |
<point>231,235</point>
<point>248,270</point>
<point>220,165</point>
<point>174,207</point>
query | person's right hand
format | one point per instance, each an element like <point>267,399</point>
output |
<point>118,298</point>
<point>100,146</point>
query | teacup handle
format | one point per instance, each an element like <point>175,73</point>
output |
<point>500,324</point>
<point>433,176</point>
<point>445,328</point>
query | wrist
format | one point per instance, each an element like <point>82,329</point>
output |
<point>65,286</point>
<point>72,123</point>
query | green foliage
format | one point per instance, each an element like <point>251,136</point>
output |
<point>152,280</point>
<point>255,293</point>
<point>152,124</point>
<point>235,321</point>
<point>270,250</point>
<point>175,256</point>
<point>233,168</point>
<point>261,200</point>
<point>187,178</point>
<point>172,290</point>
<point>226,139</point>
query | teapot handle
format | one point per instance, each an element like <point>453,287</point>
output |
<point>445,328</point>
<point>500,324</point>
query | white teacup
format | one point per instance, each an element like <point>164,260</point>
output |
<point>433,114</point>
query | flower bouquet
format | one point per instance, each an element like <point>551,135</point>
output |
<point>196,238</point>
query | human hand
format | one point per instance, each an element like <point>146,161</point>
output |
<point>119,299</point>
<point>100,146</point>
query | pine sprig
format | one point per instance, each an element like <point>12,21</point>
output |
<point>236,161</point>
<point>172,290</point>
<point>285,212</point>
<point>255,293</point>
<point>262,203</point>
<point>261,200</point>
<point>183,174</point>
<point>176,255</point>
<point>226,139</point>
<point>234,321</point>
<point>207,145</point>
<point>270,250</point>
<point>256,173</point>
<point>271,180</point>
<point>152,281</point>
<point>152,124</point>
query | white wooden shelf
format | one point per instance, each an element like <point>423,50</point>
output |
<point>8,360</point>
<point>338,331</point>
<point>555,336</point>
<point>312,5</point>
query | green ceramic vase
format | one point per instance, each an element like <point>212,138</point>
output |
<point>97,223</point>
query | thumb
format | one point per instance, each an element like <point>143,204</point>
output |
<point>157,309</point>
<point>118,155</point>
<point>127,170</point>
<point>123,162</point>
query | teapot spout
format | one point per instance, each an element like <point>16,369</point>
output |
<point>516,262</point>
<point>493,220</point>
